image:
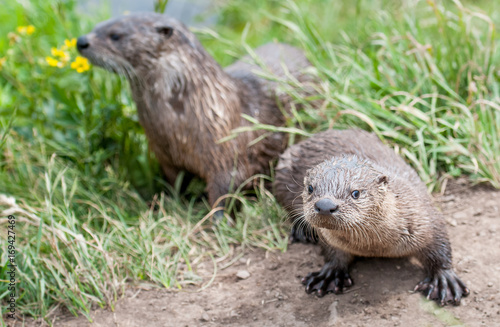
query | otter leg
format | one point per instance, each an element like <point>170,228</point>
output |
<point>170,173</point>
<point>217,186</point>
<point>333,276</point>
<point>441,283</point>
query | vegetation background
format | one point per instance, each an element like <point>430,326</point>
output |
<point>92,210</point>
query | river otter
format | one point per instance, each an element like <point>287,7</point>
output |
<point>364,200</point>
<point>187,103</point>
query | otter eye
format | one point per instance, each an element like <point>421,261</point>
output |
<point>114,37</point>
<point>355,194</point>
<point>310,189</point>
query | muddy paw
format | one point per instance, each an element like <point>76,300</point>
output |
<point>329,279</point>
<point>444,287</point>
<point>303,234</point>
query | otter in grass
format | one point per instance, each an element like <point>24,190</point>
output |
<point>187,103</point>
<point>364,200</point>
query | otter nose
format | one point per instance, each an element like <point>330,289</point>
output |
<point>325,207</point>
<point>82,43</point>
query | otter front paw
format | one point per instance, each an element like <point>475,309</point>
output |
<point>329,279</point>
<point>303,234</point>
<point>443,287</point>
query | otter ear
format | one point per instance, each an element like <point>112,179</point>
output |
<point>382,179</point>
<point>167,31</point>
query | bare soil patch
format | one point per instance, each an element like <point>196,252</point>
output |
<point>382,294</point>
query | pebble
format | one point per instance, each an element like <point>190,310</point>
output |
<point>205,317</point>
<point>460,215</point>
<point>448,198</point>
<point>492,203</point>
<point>243,274</point>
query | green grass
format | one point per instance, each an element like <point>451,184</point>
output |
<point>93,212</point>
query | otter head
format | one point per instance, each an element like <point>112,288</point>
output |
<point>134,43</point>
<point>344,194</point>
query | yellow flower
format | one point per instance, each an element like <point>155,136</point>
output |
<point>80,64</point>
<point>63,55</point>
<point>54,62</point>
<point>2,61</point>
<point>68,44</point>
<point>30,29</point>
<point>26,30</point>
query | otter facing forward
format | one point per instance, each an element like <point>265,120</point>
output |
<point>364,200</point>
<point>186,102</point>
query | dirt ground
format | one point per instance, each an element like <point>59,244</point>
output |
<point>272,295</point>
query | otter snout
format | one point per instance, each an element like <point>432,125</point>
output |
<point>325,207</point>
<point>82,43</point>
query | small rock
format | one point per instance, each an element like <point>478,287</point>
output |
<point>205,316</point>
<point>243,274</point>
<point>460,215</point>
<point>448,198</point>
<point>452,222</point>
<point>490,284</point>
<point>491,203</point>
<point>234,313</point>
<point>272,266</point>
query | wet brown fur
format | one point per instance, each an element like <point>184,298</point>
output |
<point>186,102</point>
<point>394,215</point>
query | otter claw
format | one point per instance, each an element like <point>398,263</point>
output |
<point>444,287</point>
<point>327,280</point>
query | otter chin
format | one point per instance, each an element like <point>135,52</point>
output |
<point>363,200</point>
